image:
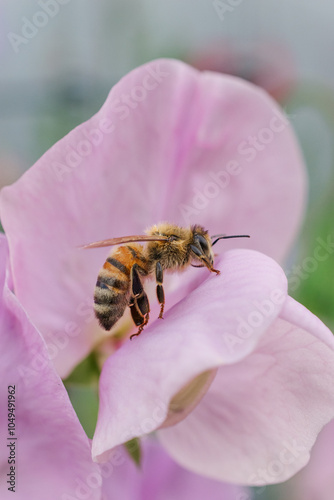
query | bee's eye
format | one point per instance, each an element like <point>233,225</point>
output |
<point>203,243</point>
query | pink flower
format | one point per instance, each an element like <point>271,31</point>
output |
<point>169,143</point>
<point>250,368</point>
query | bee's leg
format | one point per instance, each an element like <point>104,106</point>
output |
<point>139,319</point>
<point>139,305</point>
<point>160,290</point>
<point>209,266</point>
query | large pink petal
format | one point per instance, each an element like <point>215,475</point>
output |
<point>51,451</point>
<point>166,152</point>
<point>261,416</point>
<point>218,323</point>
<point>160,478</point>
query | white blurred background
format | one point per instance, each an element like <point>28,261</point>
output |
<point>59,58</point>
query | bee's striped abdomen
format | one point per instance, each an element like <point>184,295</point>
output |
<point>113,284</point>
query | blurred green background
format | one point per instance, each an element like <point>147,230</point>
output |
<point>58,74</point>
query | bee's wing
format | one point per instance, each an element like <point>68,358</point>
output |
<point>124,239</point>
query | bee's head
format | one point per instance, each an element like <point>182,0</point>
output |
<point>202,243</point>
<point>201,246</point>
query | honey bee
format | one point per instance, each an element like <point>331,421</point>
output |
<point>168,247</point>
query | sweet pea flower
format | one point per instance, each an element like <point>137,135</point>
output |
<point>237,379</point>
<point>170,143</point>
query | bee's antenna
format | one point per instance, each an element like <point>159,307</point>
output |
<point>218,237</point>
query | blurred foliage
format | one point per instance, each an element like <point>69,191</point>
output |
<point>134,450</point>
<point>82,388</point>
<point>316,283</point>
<point>86,372</point>
<point>85,401</point>
<point>316,291</point>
